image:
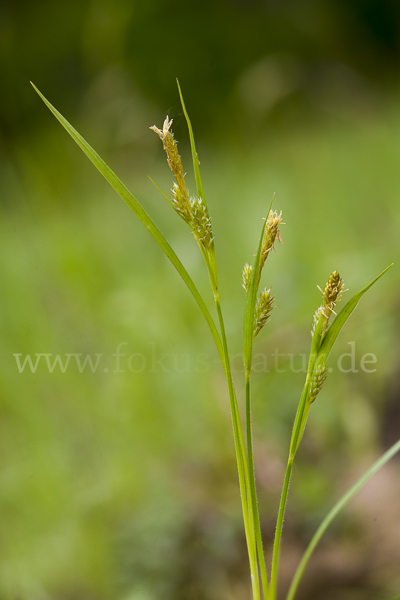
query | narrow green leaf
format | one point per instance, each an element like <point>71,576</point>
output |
<point>211,259</point>
<point>341,319</point>
<point>333,513</point>
<point>199,185</point>
<point>139,211</point>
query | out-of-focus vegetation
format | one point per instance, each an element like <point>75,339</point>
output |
<point>122,483</point>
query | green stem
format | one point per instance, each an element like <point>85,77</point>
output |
<point>300,420</point>
<point>243,469</point>
<point>334,512</point>
<point>242,464</point>
<point>298,429</point>
<point>253,489</point>
<point>294,443</point>
<point>279,526</point>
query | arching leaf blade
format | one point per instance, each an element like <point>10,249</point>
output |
<point>139,211</point>
<point>199,185</point>
<point>337,326</point>
<point>333,513</point>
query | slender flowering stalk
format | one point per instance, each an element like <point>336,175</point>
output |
<point>193,210</point>
<point>316,375</point>
<point>257,313</point>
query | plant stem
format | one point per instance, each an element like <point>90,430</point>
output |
<point>334,512</point>
<point>243,468</point>
<point>253,490</point>
<point>241,458</point>
<point>294,443</point>
<point>279,526</point>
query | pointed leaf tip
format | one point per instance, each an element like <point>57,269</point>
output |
<point>199,185</point>
<point>347,310</point>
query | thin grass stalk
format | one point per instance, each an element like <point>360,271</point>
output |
<point>241,459</point>
<point>294,442</point>
<point>333,514</point>
<point>248,337</point>
<point>278,530</point>
<point>245,487</point>
<point>253,491</point>
<point>239,447</point>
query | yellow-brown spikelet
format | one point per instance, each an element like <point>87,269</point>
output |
<point>271,233</point>
<point>180,193</point>
<point>201,222</point>
<point>332,294</point>
<point>263,310</point>
<point>333,290</point>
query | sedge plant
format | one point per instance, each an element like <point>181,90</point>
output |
<point>327,324</point>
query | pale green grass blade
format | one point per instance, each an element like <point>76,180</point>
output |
<point>334,513</point>
<point>341,319</point>
<point>211,259</point>
<point>139,211</point>
<point>199,185</point>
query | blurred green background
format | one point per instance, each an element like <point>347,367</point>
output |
<point>121,483</point>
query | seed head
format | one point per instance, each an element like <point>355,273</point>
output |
<point>246,276</point>
<point>180,193</point>
<point>317,381</point>
<point>180,203</point>
<point>332,293</point>
<point>201,222</point>
<point>171,148</point>
<point>271,233</point>
<point>263,310</point>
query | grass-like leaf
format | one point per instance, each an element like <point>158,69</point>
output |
<point>337,325</point>
<point>333,513</point>
<point>199,185</point>
<point>142,215</point>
